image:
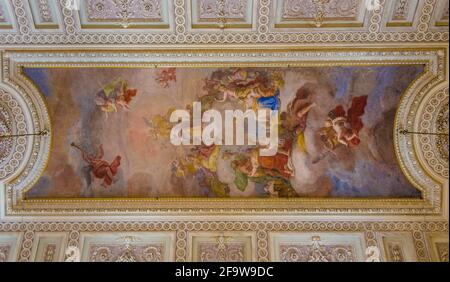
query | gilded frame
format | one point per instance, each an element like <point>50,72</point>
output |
<point>410,161</point>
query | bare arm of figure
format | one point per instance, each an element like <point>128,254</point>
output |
<point>342,139</point>
<point>100,152</point>
<point>306,110</point>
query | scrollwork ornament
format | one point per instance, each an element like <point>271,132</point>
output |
<point>12,121</point>
<point>434,119</point>
<point>152,254</point>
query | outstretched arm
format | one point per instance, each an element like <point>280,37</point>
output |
<point>306,110</point>
<point>85,156</point>
<point>100,152</point>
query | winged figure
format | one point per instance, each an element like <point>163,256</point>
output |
<point>114,95</point>
<point>98,167</point>
<point>165,76</point>
<point>342,128</point>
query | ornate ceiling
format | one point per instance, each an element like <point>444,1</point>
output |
<point>192,33</point>
<point>192,22</point>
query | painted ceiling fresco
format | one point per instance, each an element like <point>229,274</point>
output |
<point>111,132</point>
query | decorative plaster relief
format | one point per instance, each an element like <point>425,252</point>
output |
<point>4,252</point>
<point>221,14</point>
<point>45,15</point>
<point>438,245</point>
<point>221,247</point>
<point>445,13</point>
<point>45,11</point>
<point>49,246</point>
<point>343,232</point>
<point>2,14</point>
<point>402,13</point>
<point>442,251</point>
<point>129,247</point>
<point>316,252</point>
<point>397,247</point>
<point>6,128</point>
<point>439,19</point>
<point>5,17</point>
<point>9,246</point>
<point>401,9</point>
<point>12,121</point>
<point>227,9</point>
<point>319,13</point>
<point>123,14</point>
<point>126,252</point>
<point>259,23</point>
<point>442,126</point>
<point>322,247</point>
<point>434,119</point>
<point>333,9</point>
<point>117,10</point>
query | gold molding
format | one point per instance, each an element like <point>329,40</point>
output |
<point>399,24</point>
<point>442,23</point>
<point>313,25</point>
<point>6,26</point>
<point>130,26</point>
<point>210,206</point>
<point>46,26</point>
<point>219,26</point>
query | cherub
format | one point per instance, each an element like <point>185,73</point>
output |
<point>280,163</point>
<point>98,167</point>
<point>269,188</point>
<point>247,164</point>
<point>165,76</point>
<point>115,94</point>
<point>343,128</point>
<point>159,125</point>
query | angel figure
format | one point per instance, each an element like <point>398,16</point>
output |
<point>342,128</point>
<point>280,163</point>
<point>297,114</point>
<point>98,167</point>
<point>165,76</point>
<point>159,125</point>
<point>114,95</point>
<point>256,89</point>
<point>264,91</point>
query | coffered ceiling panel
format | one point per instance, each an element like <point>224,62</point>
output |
<point>45,14</point>
<point>110,14</point>
<point>194,22</point>
<point>6,20</point>
<point>440,18</point>
<point>212,14</point>
<point>402,13</point>
<point>312,14</point>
